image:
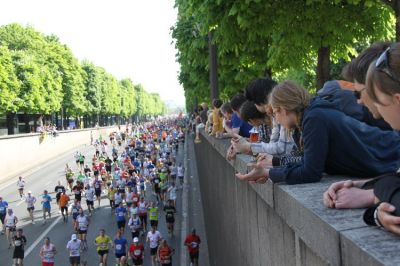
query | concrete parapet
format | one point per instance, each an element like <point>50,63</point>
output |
<point>22,152</point>
<point>279,224</point>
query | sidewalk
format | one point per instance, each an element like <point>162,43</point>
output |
<point>195,205</point>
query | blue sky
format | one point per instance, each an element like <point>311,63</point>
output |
<point>129,38</point>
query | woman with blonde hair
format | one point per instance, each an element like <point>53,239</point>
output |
<point>330,141</point>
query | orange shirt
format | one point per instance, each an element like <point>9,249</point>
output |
<point>64,200</point>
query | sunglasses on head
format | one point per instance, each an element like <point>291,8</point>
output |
<point>382,64</point>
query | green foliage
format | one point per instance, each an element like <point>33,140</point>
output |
<point>257,38</point>
<point>38,74</point>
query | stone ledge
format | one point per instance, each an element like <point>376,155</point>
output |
<point>338,237</point>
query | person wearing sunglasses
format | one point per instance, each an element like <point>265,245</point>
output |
<point>383,87</point>
<point>356,194</point>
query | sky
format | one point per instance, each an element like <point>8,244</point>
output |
<point>129,38</point>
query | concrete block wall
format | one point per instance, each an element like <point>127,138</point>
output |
<point>19,153</point>
<point>279,224</point>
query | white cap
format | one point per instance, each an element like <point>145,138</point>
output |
<point>136,240</point>
<point>73,237</point>
<point>29,192</point>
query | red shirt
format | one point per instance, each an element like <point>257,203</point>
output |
<point>193,242</point>
<point>137,251</point>
<point>165,254</point>
<point>135,199</point>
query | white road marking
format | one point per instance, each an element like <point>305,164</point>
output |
<point>20,202</point>
<point>39,239</point>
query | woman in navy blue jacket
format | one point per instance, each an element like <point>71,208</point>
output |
<point>331,141</point>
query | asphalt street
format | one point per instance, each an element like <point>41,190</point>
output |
<point>59,232</point>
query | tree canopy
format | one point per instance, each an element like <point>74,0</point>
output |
<point>301,40</point>
<point>40,75</point>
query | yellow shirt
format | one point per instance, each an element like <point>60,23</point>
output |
<point>217,122</point>
<point>103,242</point>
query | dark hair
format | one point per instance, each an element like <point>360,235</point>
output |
<point>217,103</point>
<point>226,108</point>
<point>249,111</point>
<point>378,79</point>
<point>237,101</point>
<point>258,90</point>
<point>357,69</point>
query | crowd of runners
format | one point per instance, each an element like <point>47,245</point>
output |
<point>124,167</point>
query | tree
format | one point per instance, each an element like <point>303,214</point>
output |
<point>9,84</point>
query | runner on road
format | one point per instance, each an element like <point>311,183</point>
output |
<point>120,246</point>
<point>3,213</point>
<point>136,252</point>
<point>11,225</point>
<point>164,254</point>
<point>103,243</point>
<point>170,211</point>
<point>64,199</point>
<point>74,247</point>
<point>153,238</point>
<point>47,253</point>
<point>193,242</point>
<point>46,199</point>
<point>81,226</point>
<point>153,212</point>
<point>59,189</point>
<point>19,242</point>
<point>30,205</point>
<point>89,194</point>
<point>21,186</point>
<point>120,214</point>
<point>135,224</point>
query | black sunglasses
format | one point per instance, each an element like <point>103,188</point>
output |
<point>382,64</point>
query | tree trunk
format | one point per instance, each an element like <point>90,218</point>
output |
<point>268,73</point>
<point>323,66</point>
<point>10,123</point>
<point>213,64</point>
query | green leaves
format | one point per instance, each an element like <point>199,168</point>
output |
<point>38,74</point>
<point>280,37</point>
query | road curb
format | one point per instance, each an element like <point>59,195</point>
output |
<point>185,204</point>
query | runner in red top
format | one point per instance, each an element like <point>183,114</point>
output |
<point>193,243</point>
<point>164,254</point>
<point>136,252</point>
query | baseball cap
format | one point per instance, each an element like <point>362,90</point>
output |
<point>73,237</point>
<point>29,192</point>
<point>136,240</point>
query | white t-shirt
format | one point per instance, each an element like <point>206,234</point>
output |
<point>82,222</point>
<point>172,193</point>
<point>20,183</point>
<point>180,171</point>
<point>10,220</point>
<point>48,253</point>
<point>74,247</point>
<point>30,201</point>
<point>90,194</point>
<point>117,198</point>
<point>129,197</point>
<point>154,238</point>
<point>134,223</point>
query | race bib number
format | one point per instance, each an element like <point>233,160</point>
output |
<point>74,252</point>
<point>120,214</point>
<point>135,199</point>
<point>137,252</point>
<point>194,244</point>
<point>17,243</point>
<point>2,209</point>
<point>60,190</point>
<point>118,246</point>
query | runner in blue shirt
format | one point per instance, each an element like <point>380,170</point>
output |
<point>3,212</point>
<point>120,246</point>
<point>120,213</point>
<point>46,199</point>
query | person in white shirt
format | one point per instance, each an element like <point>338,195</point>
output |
<point>81,225</point>
<point>47,252</point>
<point>11,225</point>
<point>74,247</point>
<point>30,205</point>
<point>89,193</point>
<point>21,186</point>
<point>153,238</point>
<point>172,193</point>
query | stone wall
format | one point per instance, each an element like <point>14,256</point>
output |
<point>19,153</point>
<point>278,224</point>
